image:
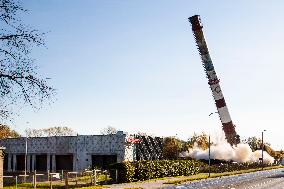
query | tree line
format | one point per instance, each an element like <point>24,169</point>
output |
<point>7,132</point>
<point>173,145</point>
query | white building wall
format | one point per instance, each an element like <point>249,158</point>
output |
<point>82,147</point>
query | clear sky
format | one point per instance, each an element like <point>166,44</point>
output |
<point>133,65</point>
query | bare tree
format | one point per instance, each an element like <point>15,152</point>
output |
<point>34,132</point>
<point>108,130</point>
<point>59,131</point>
<point>51,131</point>
<point>19,79</point>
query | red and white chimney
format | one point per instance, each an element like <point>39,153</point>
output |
<point>213,81</point>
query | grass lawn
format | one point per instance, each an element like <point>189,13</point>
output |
<point>60,185</point>
<point>57,186</point>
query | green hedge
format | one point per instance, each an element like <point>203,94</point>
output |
<point>126,171</point>
<point>229,167</point>
<point>144,170</point>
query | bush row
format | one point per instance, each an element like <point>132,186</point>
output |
<point>229,167</point>
<point>144,170</point>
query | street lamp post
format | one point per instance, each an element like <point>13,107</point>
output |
<point>177,146</point>
<point>26,152</point>
<point>262,149</point>
<point>209,156</point>
<point>209,149</point>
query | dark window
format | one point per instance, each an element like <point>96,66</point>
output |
<point>41,163</point>
<point>5,162</point>
<point>20,165</point>
<point>31,162</point>
<point>64,162</point>
<point>102,161</point>
<point>50,162</point>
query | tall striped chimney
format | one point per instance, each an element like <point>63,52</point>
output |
<point>213,81</point>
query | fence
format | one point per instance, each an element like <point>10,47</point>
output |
<point>64,179</point>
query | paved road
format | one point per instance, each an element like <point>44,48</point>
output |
<point>273,179</point>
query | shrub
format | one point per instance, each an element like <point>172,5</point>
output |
<point>144,170</point>
<point>228,167</point>
<point>126,171</point>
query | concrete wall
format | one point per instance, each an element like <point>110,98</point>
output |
<point>81,147</point>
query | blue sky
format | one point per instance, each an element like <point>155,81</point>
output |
<point>134,65</point>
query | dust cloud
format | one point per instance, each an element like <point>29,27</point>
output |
<point>222,150</point>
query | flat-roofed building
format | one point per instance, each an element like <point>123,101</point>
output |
<point>74,153</point>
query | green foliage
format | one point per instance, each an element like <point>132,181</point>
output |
<point>126,171</point>
<point>200,140</point>
<point>253,142</point>
<point>172,147</point>
<point>144,170</point>
<point>229,167</point>
<point>6,132</point>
